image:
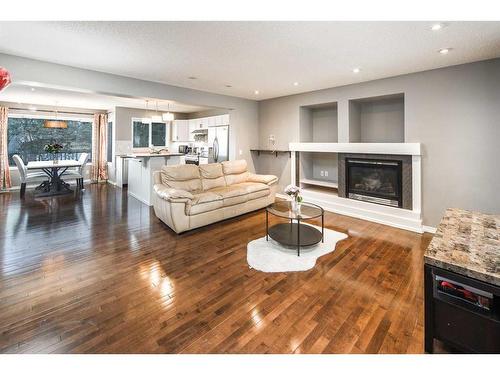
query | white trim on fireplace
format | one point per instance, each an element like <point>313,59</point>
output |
<point>358,148</point>
<point>393,216</point>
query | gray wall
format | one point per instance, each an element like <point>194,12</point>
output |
<point>324,125</point>
<point>380,121</point>
<point>454,112</point>
<point>207,113</point>
<point>243,112</point>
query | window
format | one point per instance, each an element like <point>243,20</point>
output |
<point>109,151</point>
<point>146,134</point>
<point>27,137</point>
<point>140,132</point>
<point>158,134</point>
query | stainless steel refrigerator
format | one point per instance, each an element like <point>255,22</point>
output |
<point>218,143</point>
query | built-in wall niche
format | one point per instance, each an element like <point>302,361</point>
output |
<point>319,123</point>
<point>377,119</point>
<point>319,171</point>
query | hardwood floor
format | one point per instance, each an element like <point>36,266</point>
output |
<point>99,273</point>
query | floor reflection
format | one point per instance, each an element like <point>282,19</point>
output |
<point>153,273</point>
<point>256,318</point>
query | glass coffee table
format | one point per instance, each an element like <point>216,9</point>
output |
<point>295,233</point>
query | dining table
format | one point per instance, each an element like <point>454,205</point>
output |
<point>54,185</point>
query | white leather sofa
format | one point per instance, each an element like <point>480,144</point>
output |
<point>189,196</point>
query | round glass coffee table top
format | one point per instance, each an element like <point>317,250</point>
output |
<point>284,209</point>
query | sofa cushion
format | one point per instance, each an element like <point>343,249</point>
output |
<point>232,179</point>
<point>235,171</point>
<point>172,195</point>
<point>203,202</point>
<point>212,176</point>
<point>267,179</point>
<point>254,189</point>
<point>231,195</point>
<point>183,177</point>
<point>234,166</point>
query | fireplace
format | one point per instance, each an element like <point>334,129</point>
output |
<point>375,180</point>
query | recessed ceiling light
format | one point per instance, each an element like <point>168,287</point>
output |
<point>436,27</point>
<point>256,92</point>
<point>32,89</point>
<point>295,83</point>
<point>444,51</point>
<point>191,77</point>
<point>356,70</point>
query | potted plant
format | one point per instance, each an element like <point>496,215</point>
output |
<point>53,148</point>
<point>294,193</point>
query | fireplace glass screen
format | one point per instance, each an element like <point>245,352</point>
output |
<point>376,181</point>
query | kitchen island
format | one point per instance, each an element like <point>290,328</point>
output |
<point>140,172</point>
<point>462,282</point>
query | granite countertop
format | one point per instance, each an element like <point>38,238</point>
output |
<point>467,243</point>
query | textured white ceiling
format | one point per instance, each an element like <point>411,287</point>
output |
<point>264,56</point>
<point>62,98</point>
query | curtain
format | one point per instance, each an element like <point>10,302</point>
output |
<point>5,181</point>
<point>99,139</point>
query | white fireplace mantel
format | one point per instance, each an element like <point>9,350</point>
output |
<point>359,148</point>
<point>397,217</point>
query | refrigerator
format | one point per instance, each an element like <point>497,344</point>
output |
<point>218,143</point>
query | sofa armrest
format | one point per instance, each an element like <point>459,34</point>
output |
<point>267,179</point>
<point>172,195</point>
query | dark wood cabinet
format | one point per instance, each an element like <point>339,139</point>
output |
<point>458,322</point>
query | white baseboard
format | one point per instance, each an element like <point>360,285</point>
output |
<point>139,199</point>
<point>429,229</point>
<point>395,217</point>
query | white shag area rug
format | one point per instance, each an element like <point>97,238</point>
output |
<point>270,256</point>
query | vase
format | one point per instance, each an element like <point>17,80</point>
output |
<point>55,159</point>
<point>295,206</point>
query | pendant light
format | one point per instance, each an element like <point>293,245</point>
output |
<point>55,124</point>
<point>156,117</point>
<point>169,116</point>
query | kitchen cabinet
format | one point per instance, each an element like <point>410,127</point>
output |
<point>192,127</point>
<point>180,131</point>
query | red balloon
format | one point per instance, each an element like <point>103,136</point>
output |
<point>4,78</point>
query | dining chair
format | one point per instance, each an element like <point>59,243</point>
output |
<point>26,176</point>
<point>77,173</point>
